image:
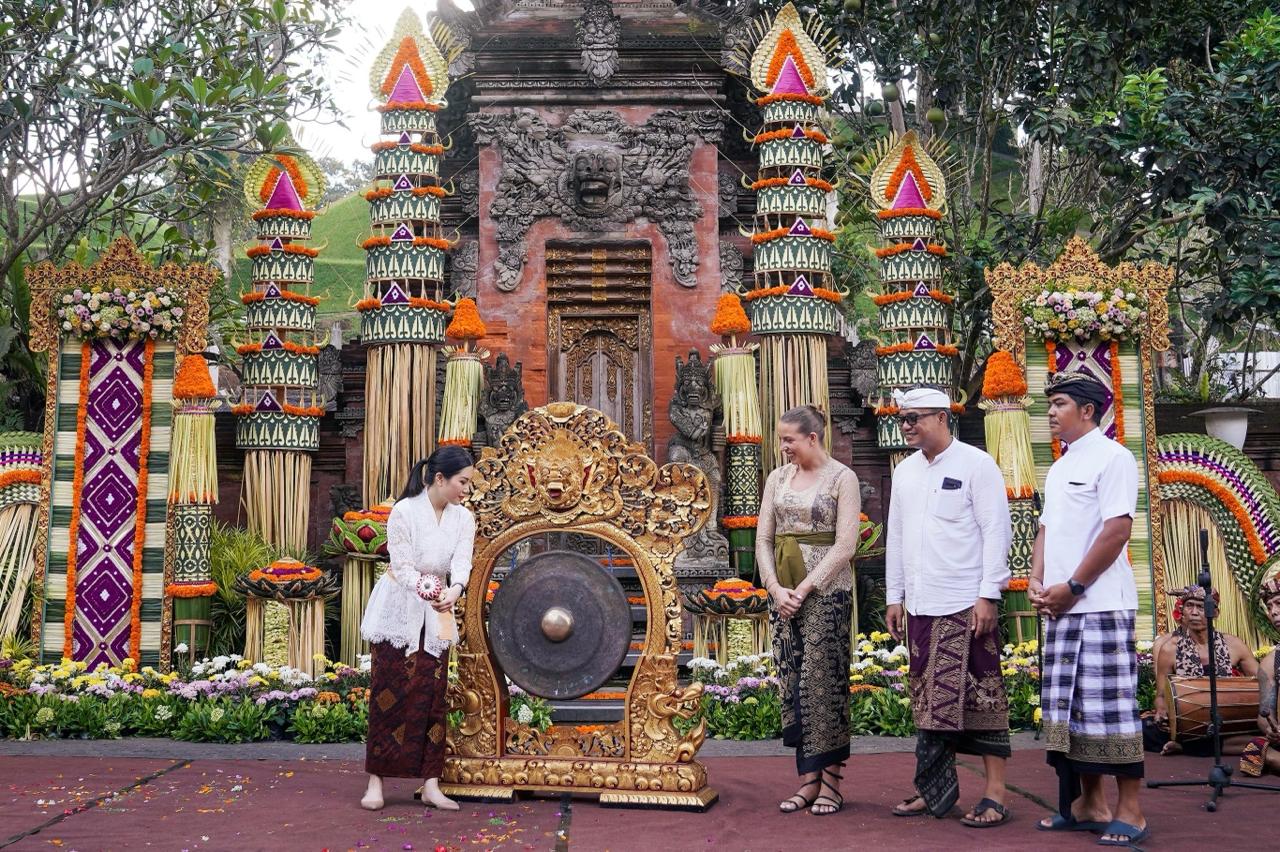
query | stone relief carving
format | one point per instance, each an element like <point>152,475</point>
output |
<point>731,266</point>
<point>329,369</point>
<point>596,173</point>
<point>727,187</point>
<point>692,411</point>
<point>598,32</point>
<point>462,274</point>
<point>466,186</point>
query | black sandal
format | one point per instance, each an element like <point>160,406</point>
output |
<point>981,808</point>
<point>806,802</point>
<point>836,802</point>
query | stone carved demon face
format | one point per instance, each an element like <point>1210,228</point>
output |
<point>595,179</point>
<point>693,386</point>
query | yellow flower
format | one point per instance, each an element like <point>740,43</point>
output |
<point>855,678</point>
<point>904,669</point>
<point>128,664</point>
<point>256,681</point>
<point>150,693</point>
<point>132,677</point>
<point>866,648</point>
<point>1037,716</point>
<point>244,664</point>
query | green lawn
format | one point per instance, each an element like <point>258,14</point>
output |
<point>337,231</point>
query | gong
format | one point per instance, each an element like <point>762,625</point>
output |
<point>559,625</point>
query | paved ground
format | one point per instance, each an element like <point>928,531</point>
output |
<point>134,794</point>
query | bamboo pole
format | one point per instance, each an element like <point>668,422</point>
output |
<point>17,562</point>
<point>277,496</point>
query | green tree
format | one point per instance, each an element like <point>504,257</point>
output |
<point>1016,90</point>
<point>127,117</point>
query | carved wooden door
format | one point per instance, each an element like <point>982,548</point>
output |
<point>600,332</point>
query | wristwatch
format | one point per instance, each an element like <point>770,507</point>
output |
<point>1077,588</point>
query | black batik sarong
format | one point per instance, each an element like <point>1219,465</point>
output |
<point>407,713</point>
<point>812,651</point>
<point>958,700</point>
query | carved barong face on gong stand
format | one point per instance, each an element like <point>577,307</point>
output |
<point>567,468</point>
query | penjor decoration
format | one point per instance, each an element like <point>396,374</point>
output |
<point>193,489</point>
<point>278,417</point>
<point>735,379</point>
<point>908,194</point>
<point>1008,440</point>
<point>113,332</point>
<point>793,304</point>
<point>463,376</point>
<point>402,316</point>
<point>21,461</point>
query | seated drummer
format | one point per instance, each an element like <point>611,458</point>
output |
<point>1185,653</point>
<point>1263,754</point>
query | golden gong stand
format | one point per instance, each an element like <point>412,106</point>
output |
<point>567,468</point>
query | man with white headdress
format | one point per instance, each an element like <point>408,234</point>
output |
<point>947,560</point>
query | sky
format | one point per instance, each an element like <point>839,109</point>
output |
<point>348,73</point>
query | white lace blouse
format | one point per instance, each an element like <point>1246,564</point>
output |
<point>418,545</point>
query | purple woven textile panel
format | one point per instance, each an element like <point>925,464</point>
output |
<point>1094,359</point>
<point>108,503</point>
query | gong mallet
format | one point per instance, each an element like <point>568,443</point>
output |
<point>1219,774</point>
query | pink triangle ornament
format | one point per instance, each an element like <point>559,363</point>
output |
<point>924,342</point>
<point>405,139</point>
<point>406,89</point>
<point>284,196</point>
<point>277,244</point>
<point>402,234</point>
<point>797,178</point>
<point>789,81</point>
<point>271,341</point>
<point>908,194</point>
<point>272,292</point>
<point>921,291</point>
<point>402,184</point>
<point>798,132</point>
<point>919,245</point>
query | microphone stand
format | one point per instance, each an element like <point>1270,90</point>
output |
<point>1219,774</point>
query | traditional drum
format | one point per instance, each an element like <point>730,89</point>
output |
<point>1188,703</point>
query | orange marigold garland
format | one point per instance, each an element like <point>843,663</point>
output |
<point>899,348</point>
<point>419,242</point>
<point>909,211</point>
<point>787,47</point>
<point>191,590</point>
<point>908,164</point>
<point>899,248</point>
<point>407,54</point>
<point>741,522</point>
<point>905,295</point>
<point>415,147</point>
<point>765,100</point>
<point>779,233</point>
<point>77,489</point>
<point>820,292</point>
<point>1228,499</point>
<point>387,192</point>
<point>774,135</point>
<point>286,345</point>
<point>14,477</point>
<point>466,323</point>
<point>288,295</point>
<point>730,318</point>
<point>414,302</point>
<point>287,248</point>
<point>816,183</point>
<point>282,212</point>
<point>1051,351</point>
<point>1003,376</point>
<point>295,175</point>
<point>1117,392</point>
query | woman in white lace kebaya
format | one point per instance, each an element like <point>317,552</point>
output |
<point>409,625</point>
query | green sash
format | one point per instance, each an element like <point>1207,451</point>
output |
<point>787,559</point>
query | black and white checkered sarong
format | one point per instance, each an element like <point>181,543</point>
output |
<point>1089,698</point>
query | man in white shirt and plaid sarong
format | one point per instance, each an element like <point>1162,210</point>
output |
<point>1081,580</point>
